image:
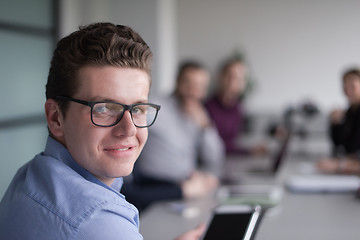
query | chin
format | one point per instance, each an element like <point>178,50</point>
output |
<point>126,171</point>
<point>126,174</point>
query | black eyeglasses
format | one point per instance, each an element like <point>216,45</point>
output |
<point>108,114</point>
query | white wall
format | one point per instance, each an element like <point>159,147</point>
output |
<point>154,20</point>
<point>296,49</point>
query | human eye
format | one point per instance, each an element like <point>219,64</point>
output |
<point>100,108</point>
<point>106,109</point>
<point>139,109</point>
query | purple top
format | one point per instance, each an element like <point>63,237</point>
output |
<point>229,122</point>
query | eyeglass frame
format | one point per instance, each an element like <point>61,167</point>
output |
<point>126,107</point>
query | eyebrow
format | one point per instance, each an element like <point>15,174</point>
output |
<point>101,99</point>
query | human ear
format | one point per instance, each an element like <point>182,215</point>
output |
<point>54,118</point>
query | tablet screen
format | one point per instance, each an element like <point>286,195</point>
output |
<point>228,226</point>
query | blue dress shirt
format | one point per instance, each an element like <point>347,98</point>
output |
<point>52,197</point>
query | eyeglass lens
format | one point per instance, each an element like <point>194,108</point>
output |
<point>107,114</point>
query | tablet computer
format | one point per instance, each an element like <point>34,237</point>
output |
<point>233,222</point>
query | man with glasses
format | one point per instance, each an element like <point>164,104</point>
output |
<point>97,112</point>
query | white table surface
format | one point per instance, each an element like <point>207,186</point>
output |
<point>297,216</point>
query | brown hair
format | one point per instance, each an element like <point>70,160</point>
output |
<point>99,44</point>
<point>183,67</point>
<point>227,63</point>
<point>352,71</point>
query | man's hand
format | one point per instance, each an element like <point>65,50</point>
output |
<point>333,165</point>
<point>194,234</point>
<point>199,184</point>
<point>337,116</point>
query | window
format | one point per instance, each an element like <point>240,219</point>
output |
<point>28,33</point>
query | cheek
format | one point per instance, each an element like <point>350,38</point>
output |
<point>356,88</point>
<point>228,84</point>
<point>350,92</point>
<point>184,90</point>
<point>83,140</point>
<point>83,136</point>
<point>142,136</point>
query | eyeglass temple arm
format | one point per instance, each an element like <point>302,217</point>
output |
<point>75,100</point>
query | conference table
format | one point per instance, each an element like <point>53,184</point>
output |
<point>295,216</point>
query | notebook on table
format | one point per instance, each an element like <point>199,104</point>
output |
<point>321,183</point>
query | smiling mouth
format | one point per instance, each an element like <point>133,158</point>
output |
<point>118,149</point>
<point>121,149</point>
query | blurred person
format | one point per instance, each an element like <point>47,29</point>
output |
<point>226,110</point>
<point>184,155</point>
<point>345,130</point>
<point>97,113</point>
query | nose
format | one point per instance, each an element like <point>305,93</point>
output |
<point>126,126</point>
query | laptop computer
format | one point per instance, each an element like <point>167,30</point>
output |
<point>240,168</point>
<point>276,159</point>
<point>257,184</point>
